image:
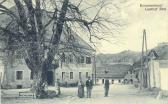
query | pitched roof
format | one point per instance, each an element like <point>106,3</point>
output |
<point>75,40</point>
<point>158,53</point>
<point>162,51</point>
<point>113,71</point>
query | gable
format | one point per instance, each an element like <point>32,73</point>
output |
<point>152,54</point>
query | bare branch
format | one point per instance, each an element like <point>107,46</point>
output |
<point>38,14</point>
<point>22,15</point>
<point>3,1</point>
<point>31,18</point>
<point>63,18</point>
<point>79,3</point>
<point>5,10</point>
<point>54,17</point>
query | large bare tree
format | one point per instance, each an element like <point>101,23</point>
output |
<point>28,27</point>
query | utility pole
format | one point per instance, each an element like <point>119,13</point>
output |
<point>143,55</point>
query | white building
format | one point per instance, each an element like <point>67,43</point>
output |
<point>70,72</point>
<point>74,62</point>
<point>78,60</point>
<point>157,71</point>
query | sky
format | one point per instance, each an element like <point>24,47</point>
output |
<point>137,18</point>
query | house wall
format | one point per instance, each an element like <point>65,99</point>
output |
<point>115,71</point>
<point>26,81</point>
<point>154,74</point>
<point>129,76</point>
<point>164,74</point>
<point>158,74</point>
<point>13,82</point>
<point>77,64</point>
<point>75,68</point>
<point>19,65</point>
<point>111,80</point>
<point>164,78</point>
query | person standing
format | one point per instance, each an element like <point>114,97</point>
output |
<point>80,89</point>
<point>106,87</point>
<point>89,86</point>
<point>57,85</point>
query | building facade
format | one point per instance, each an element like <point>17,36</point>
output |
<point>74,63</point>
<point>75,67</point>
<point>116,72</point>
<point>156,68</point>
<point>129,77</point>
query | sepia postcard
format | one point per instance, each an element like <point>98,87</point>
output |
<point>84,51</point>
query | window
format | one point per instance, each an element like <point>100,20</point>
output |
<point>87,74</point>
<point>78,60</point>
<point>31,75</point>
<point>130,72</point>
<point>19,86</point>
<point>70,58</point>
<point>19,75</point>
<point>88,60</point>
<point>71,75</point>
<point>80,74</point>
<point>63,75</point>
<point>82,59</point>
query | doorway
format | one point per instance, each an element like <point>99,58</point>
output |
<point>50,78</point>
<point>102,81</point>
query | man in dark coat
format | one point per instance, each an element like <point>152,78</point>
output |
<point>89,86</point>
<point>106,87</point>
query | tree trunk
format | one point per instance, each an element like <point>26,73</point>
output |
<point>40,66</point>
<point>39,85</point>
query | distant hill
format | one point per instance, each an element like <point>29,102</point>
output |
<point>131,56</point>
<point>114,62</point>
<point>124,56</point>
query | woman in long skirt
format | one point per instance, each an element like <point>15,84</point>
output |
<point>80,89</point>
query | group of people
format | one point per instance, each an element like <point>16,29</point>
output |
<point>89,86</point>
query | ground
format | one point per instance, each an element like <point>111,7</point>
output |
<point>119,94</point>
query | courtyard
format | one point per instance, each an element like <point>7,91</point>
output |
<point>118,94</point>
